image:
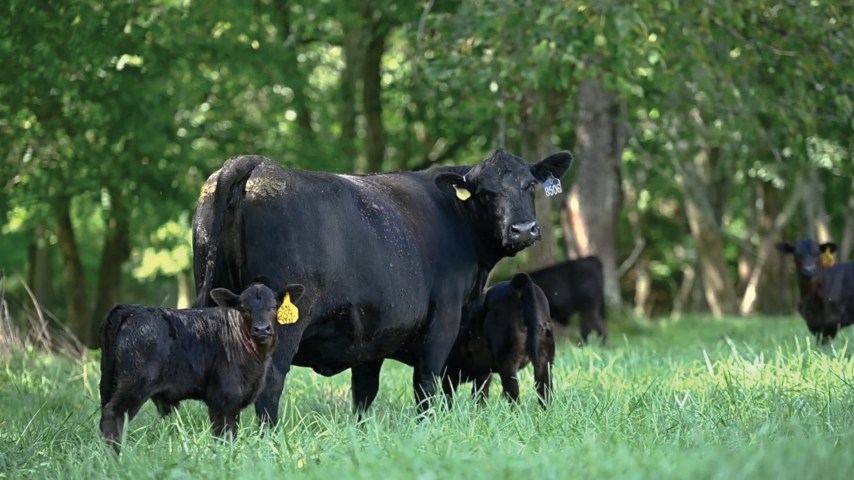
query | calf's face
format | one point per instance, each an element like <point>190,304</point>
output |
<point>809,255</point>
<point>501,188</point>
<point>258,305</point>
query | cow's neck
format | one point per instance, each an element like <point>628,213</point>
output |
<point>808,286</point>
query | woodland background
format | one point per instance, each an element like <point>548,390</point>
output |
<point>704,132</point>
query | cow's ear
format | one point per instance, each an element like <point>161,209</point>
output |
<point>225,297</point>
<point>554,165</point>
<point>295,290</point>
<point>456,183</point>
<point>828,247</point>
<point>785,247</point>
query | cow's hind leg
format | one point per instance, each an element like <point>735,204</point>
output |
<point>592,321</point>
<point>542,369</point>
<point>480,388</point>
<point>125,401</point>
<point>508,371</point>
<point>365,382</point>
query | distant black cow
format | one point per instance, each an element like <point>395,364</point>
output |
<point>576,286</point>
<point>810,260</point>
<point>836,288</point>
<point>218,355</point>
<point>391,262</point>
<point>514,330</point>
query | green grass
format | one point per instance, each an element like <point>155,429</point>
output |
<point>692,399</point>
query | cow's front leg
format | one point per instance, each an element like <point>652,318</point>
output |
<point>365,383</point>
<point>267,403</point>
<point>442,330</point>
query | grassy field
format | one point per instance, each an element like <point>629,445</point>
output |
<point>696,398</point>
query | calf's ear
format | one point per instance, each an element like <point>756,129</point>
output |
<point>455,182</point>
<point>295,290</point>
<point>785,247</point>
<point>225,297</point>
<point>555,165</point>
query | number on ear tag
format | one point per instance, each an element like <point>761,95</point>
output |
<point>462,193</point>
<point>552,186</point>
<point>827,259</point>
<point>288,313</point>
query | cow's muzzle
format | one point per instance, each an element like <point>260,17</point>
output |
<point>521,235</point>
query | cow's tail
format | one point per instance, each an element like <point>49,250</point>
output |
<point>530,311</point>
<point>229,192</point>
<point>109,333</point>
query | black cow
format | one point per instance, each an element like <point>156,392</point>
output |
<point>391,262</point>
<point>219,355</point>
<point>576,286</point>
<point>514,330</point>
<point>836,288</point>
<point>810,260</point>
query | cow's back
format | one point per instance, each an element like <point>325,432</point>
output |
<point>368,249</point>
<point>572,286</point>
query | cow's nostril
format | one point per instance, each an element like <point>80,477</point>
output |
<point>535,230</point>
<point>263,330</point>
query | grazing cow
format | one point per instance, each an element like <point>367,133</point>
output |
<point>836,288</point>
<point>513,330</point>
<point>576,286</point>
<point>810,260</point>
<point>392,263</point>
<point>219,355</point>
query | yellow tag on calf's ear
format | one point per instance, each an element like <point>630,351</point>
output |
<point>462,193</point>
<point>827,260</point>
<point>288,313</point>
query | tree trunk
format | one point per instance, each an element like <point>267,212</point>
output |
<point>76,297</point>
<point>349,88</point>
<point>593,202</point>
<point>718,288</point>
<point>766,288</point>
<point>847,242</point>
<point>295,78</point>
<point>40,275</point>
<point>372,90</point>
<point>746,250</point>
<point>815,215</point>
<point>536,145</point>
<point>115,252</point>
<point>185,296</point>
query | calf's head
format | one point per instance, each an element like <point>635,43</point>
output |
<point>501,192</point>
<point>809,255</point>
<point>258,306</point>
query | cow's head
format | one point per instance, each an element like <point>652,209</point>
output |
<point>258,306</point>
<point>834,294</point>
<point>501,192</point>
<point>809,255</point>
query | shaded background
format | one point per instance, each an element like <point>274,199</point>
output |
<point>704,132</point>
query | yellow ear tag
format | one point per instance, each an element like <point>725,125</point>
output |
<point>462,193</point>
<point>288,313</point>
<point>827,260</point>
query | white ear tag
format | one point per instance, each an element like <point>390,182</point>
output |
<point>552,186</point>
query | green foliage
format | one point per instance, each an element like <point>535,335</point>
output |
<point>141,101</point>
<point>690,399</point>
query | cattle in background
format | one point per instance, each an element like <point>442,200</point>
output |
<point>836,288</point>
<point>391,262</point>
<point>810,260</point>
<point>513,330</point>
<point>219,355</point>
<point>576,286</point>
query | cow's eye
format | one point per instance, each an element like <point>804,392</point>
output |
<point>531,185</point>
